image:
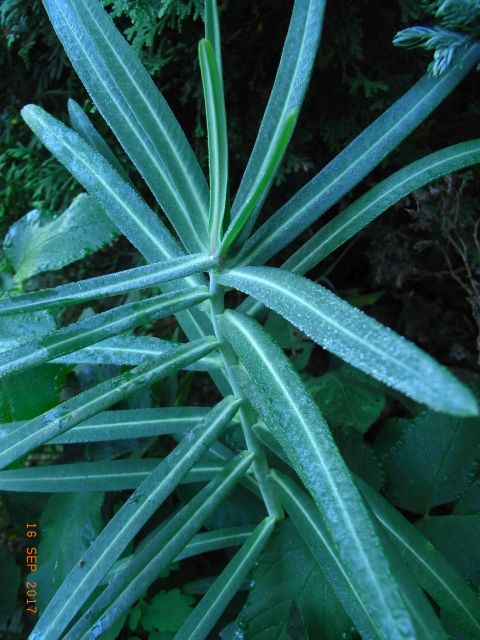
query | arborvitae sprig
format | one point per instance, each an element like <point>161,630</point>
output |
<point>458,27</point>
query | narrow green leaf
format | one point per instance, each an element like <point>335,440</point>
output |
<point>296,422</point>
<point>119,200</point>
<point>430,568</point>
<point>36,243</point>
<point>136,112</point>
<point>313,530</point>
<point>355,161</point>
<point>86,404</point>
<point>215,601</point>
<point>126,523</point>
<point>199,544</point>
<point>133,350</point>
<point>369,206</point>
<point>264,180</point>
<point>212,32</point>
<point>355,337</point>
<point>217,140</point>
<point>155,554</point>
<point>110,285</point>
<point>291,83</point>
<point>82,124</point>
<point>106,475</point>
<point>99,327</point>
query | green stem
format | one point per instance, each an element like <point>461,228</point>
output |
<point>260,464</point>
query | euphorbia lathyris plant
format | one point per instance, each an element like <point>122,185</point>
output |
<point>289,460</point>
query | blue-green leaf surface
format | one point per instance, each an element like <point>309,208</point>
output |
<point>37,243</point>
<point>289,412</point>
<point>99,327</point>
<point>379,199</point>
<point>157,551</point>
<point>352,335</point>
<point>215,601</point>
<point>136,112</point>
<point>126,523</point>
<point>109,285</point>
<point>287,95</point>
<point>355,161</point>
<point>68,414</point>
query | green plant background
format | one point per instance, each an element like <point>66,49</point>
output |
<point>416,270</point>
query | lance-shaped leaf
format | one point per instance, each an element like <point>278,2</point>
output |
<point>37,243</point>
<point>86,404</point>
<point>99,327</point>
<point>126,424</point>
<point>119,200</point>
<point>126,523</point>
<point>379,199</point>
<point>205,615</point>
<point>432,571</point>
<point>156,553</point>
<point>83,126</point>
<point>106,475</point>
<point>133,350</point>
<point>295,421</point>
<point>217,140</point>
<point>355,161</point>
<point>352,335</point>
<point>136,112</point>
<point>287,95</point>
<point>313,530</point>
<point>212,32</point>
<point>110,285</point>
<point>270,167</point>
<point>199,544</point>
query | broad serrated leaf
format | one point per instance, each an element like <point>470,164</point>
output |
<point>68,525</point>
<point>105,286</point>
<point>296,422</point>
<point>36,243</point>
<point>167,611</point>
<point>434,461</point>
<point>369,206</point>
<point>357,160</point>
<point>88,403</point>
<point>287,573</point>
<point>456,537</point>
<point>355,337</point>
<point>136,112</point>
<point>126,523</point>
<point>99,327</point>
<point>348,398</point>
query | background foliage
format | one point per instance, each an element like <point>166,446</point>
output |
<point>416,269</point>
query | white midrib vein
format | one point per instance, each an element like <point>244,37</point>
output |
<point>332,554</point>
<point>170,474</point>
<point>299,268</point>
<point>326,471</point>
<point>275,230</point>
<point>393,532</point>
<point>58,421</point>
<point>325,318</point>
<point>127,120</point>
<point>280,121</point>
